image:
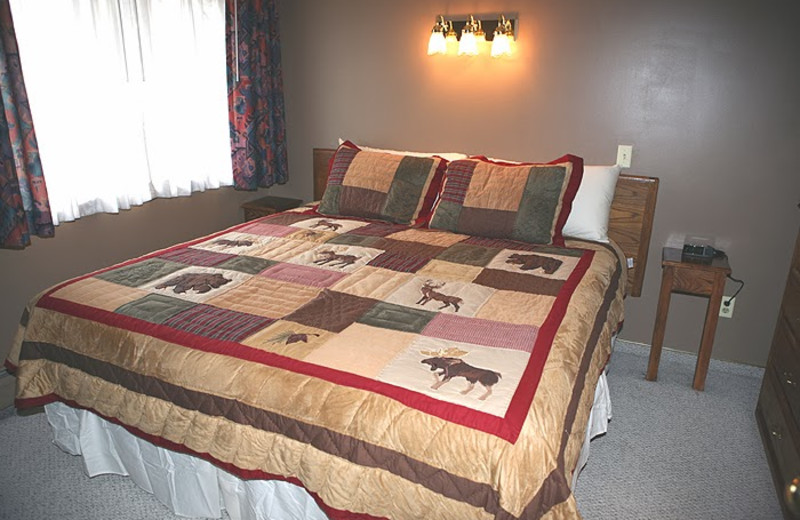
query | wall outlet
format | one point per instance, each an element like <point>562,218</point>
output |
<point>726,311</point>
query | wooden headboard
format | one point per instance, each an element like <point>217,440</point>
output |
<point>630,223</point>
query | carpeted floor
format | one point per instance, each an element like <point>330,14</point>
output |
<point>670,453</point>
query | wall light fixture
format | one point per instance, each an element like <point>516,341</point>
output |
<point>472,41</point>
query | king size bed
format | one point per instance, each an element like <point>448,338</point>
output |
<point>422,343</point>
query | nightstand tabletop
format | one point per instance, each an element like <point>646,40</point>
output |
<point>273,202</point>
<point>673,256</point>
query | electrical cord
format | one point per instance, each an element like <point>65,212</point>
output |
<point>727,302</point>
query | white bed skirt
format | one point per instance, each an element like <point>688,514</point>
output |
<point>192,487</point>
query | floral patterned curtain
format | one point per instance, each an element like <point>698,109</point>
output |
<point>24,206</point>
<point>255,94</point>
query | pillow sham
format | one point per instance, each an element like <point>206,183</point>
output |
<point>592,205</point>
<point>529,202</point>
<point>449,156</point>
<point>376,185</point>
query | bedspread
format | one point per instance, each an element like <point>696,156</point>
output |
<point>392,371</point>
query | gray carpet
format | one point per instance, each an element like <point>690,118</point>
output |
<point>670,453</point>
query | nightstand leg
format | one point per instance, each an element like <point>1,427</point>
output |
<point>709,329</point>
<point>661,323</point>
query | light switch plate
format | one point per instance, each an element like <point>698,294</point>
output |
<point>624,153</point>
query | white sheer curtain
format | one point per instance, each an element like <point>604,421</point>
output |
<point>129,99</point>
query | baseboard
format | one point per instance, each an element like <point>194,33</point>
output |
<point>688,358</point>
<point>7,385</point>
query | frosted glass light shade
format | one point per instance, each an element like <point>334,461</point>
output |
<point>468,44</point>
<point>501,45</point>
<point>437,44</point>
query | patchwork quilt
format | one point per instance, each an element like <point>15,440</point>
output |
<point>394,372</point>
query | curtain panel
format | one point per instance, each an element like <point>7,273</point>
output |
<point>145,111</point>
<point>24,205</point>
<point>255,94</point>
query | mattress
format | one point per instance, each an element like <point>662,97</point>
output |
<point>392,372</point>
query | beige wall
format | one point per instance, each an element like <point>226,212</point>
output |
<point>704,91</point>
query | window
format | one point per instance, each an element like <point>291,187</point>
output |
<point>129,99</point>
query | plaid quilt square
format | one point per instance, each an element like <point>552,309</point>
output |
<point>267,229</point>
<point>489,333</point>
<point>301,274</point>
<point>192,256</point>
<point>213,322</point>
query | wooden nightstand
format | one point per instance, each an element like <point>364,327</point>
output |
<point>696,279</point>
<point>267,206</point>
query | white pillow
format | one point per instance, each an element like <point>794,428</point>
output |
<point>448,156</point>
<point>592,205</point>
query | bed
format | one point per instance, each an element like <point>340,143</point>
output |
<point>386,359</point>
